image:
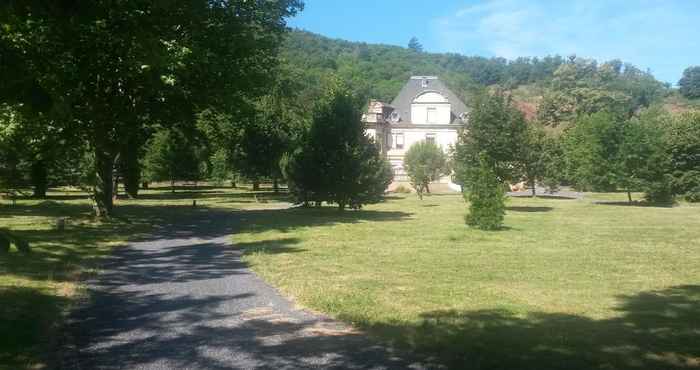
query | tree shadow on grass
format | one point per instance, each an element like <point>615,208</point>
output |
<point>27,323</point>
<point>60,255</point>
<point>239,197</point>
<point>635,203</point>
<point>286,220</point>
<point>528,209</point>
<point>654,330</point>
<point>47,208</point>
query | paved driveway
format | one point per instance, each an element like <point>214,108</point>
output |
<point>183,299</point>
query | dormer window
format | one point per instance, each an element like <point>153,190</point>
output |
<point>464,117</point>
<point>394,117</point>
<point>424,83</point>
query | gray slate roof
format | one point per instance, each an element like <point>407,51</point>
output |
<point>414,87</point>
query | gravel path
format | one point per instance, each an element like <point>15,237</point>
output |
<point>183,299</point>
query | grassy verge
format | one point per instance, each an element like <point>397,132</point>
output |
<point>568,284</point>
<point>37,289</point>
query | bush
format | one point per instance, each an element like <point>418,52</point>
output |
<point>693,195</point>
<point>486,198</point>
<point>425,162</point>
<point>659,192</point>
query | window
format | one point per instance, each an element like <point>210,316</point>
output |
<point>430,138</point>
<point>394,117</point>
<point>398,141</point>
<point>432,115</point>
<point>424,83</point>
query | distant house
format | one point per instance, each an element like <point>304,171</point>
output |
<point>425,109</point>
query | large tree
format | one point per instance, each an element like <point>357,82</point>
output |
<point>540,159</point>
<point>605,153</point>
<point>496,133</point>
<point>173,155</point>
<point>682,142</point>
<point>592,148</point>
<point>111,68</point>
<point>337,162</point>
<point>272,132</point>
<point>689,84</point>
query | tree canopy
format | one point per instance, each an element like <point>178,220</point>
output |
<point>689,84</point>
<point>113,69</point>
<point>424,163</point>
<point>337,162</point>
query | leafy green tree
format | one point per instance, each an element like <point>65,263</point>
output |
<point>581,87</point>
<point>642,162</point>
<point>425,162</point>
<point>171,156</point>
<point>220,167</point>
<point>271,134</point>
<point>415,45</point>
<point>540,159</point>
<point>606,153</point>
<point>682,142</point>
<point>336,162</point>
<point>591,149</point>
<point>555,171</point>
<point>110,69</point>
<point>486,197</point>
<point>689,84</point>
<point>496,133</point>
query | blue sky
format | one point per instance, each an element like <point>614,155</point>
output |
<point>663,36</point>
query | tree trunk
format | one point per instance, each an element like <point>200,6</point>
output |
<point>275,185</point>
<point>104,167</point>
<point>144,185</point>
<point>233,184</point>
<point>341,206</point>
<point>131,171</point>
<point>256,185</point>
<point>115,187</point>
<point>172,185</point>
<point>427,188</point>
<point>629,196</point>
<point>39,179</point>
<point>534,190</point>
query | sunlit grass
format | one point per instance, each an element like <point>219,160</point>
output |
<point>410,272</point>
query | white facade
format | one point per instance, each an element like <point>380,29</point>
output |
<point>430,108</point>
<point>424,110</point>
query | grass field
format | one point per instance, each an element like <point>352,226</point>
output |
<point>37,289</point>
<point>567,284</point>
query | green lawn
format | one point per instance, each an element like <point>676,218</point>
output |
<point>36,290</point>
<point>567,284</point>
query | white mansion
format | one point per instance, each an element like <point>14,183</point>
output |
<point>425,109</point>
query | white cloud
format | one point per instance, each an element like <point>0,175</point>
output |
<point>634,31</point>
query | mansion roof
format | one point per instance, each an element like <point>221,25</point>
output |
<point>418,85</point>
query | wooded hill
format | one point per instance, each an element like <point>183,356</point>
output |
<point>553,88</point>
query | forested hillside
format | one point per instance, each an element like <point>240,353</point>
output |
<point>553,88</point>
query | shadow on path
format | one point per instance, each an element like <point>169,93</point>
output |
<point>181,298</point>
